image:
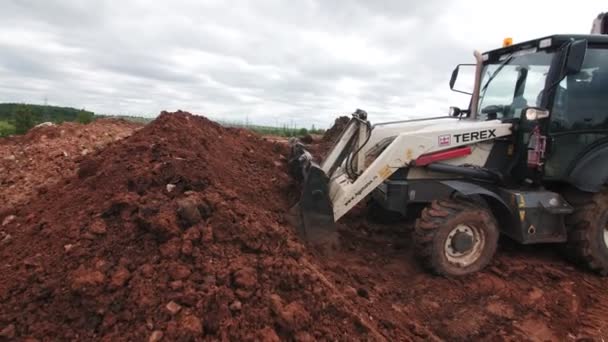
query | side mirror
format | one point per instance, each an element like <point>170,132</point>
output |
<point>469,78</point>
<point>576,57</point>
<point>535,113</point>
<point>454,76</point>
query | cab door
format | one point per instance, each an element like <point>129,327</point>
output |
<point>579,115</point>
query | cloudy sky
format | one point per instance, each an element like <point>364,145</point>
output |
<point>265,61</point>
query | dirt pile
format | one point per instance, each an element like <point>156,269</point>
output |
<point>177,232</point>
<point>47,154</point>
<point>333,133</point>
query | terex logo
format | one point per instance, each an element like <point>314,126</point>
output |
<point>473,136</point>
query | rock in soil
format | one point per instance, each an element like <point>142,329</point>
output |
<point>8,332</point>
<point>87,280</point>
<point>192,325</point>
<point>173,307</point>
<point>120,277</point>
<point>179,271</point>
<point>156,336</point>
<point>98,227</point>
<point>188,211</point>
<point>8,220</point>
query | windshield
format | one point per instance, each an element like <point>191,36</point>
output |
<point>513,83</point>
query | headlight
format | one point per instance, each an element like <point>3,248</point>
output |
<point>533,113</point>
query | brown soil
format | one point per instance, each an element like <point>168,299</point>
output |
<point>320,147</point>
<point>177,231</point>
<point>526,293</point>
<point>333,133</point>
<point>31,163</point>
<point>180,232</point>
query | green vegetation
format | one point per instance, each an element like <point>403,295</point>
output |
<point>84,117</point>
<point>24,119</point>
<point>18,118</point>
<point>136,119</point>
<point>6,128</point>
<point>283,131</point>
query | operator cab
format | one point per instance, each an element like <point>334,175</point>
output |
<point>515,77</point>
<point>553,89</point>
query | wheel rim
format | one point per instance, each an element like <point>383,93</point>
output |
<point>477,239</point>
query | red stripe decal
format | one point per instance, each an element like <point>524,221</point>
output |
<point>442,155</point>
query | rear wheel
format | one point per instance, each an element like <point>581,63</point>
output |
<point>588,232</point>
<point>455,237</point>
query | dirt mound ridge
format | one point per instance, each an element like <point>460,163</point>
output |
<point>46,154</point>
<point>177,232</point>
<point>333,133</point>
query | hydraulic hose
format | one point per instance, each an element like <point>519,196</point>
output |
<point>350,171</point>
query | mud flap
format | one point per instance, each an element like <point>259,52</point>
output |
<point>314,211</point>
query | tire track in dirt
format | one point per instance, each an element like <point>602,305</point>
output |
<point>594,318</point>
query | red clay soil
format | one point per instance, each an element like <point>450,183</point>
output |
<point>47,154</point>
<point>526,293</point>
<point>333,133</point>
<point>177,232</point>
<point>320,147</point>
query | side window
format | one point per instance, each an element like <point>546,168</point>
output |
<point>579,117</point>
<point>500,90</point>
<point>581,101</point>
<point>505,89</point>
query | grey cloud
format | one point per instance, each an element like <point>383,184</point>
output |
<point>272,61</point>
<point>27,62</point>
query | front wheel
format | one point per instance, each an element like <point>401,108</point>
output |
<point>455,237</point>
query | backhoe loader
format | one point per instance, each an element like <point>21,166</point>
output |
<point>527,159</point>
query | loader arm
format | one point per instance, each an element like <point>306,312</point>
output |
<point>345,191</point>
<point>364,156</point>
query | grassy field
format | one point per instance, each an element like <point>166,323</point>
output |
<point>278,131</point>
<point>6,128</point>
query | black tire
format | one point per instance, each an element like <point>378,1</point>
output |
<point>587,226</point>
<point>435,229</point>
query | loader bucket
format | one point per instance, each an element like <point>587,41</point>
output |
<point>313,215</point>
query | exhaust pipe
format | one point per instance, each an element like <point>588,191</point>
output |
<point>600,24</point>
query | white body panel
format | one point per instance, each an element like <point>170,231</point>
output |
<point>410,140</point>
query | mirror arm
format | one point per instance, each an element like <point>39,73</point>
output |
<point>462,92</point>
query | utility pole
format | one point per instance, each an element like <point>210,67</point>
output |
<point>45,110</point>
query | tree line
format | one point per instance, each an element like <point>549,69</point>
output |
<point>17,118</point>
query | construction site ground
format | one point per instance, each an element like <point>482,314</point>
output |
<point>179,230</point>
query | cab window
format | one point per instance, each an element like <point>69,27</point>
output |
<point>581,101</point>
<point>579,116</point>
